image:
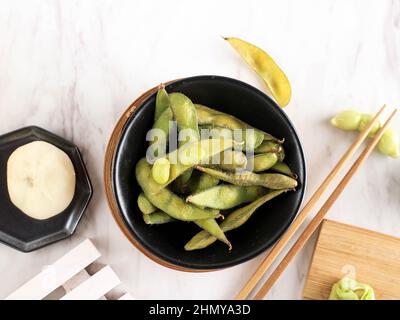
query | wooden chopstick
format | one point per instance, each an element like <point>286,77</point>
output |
<point>278,247</point>
<point>316,221</point>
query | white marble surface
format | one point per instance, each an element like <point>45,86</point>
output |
<point>73,66</point>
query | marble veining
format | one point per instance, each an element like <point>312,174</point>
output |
<point>73,67</point>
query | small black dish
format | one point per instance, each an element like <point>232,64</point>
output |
<point>22,232</point>
<point>164,243</point>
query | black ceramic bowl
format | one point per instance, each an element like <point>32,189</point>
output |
<point>21,231</point>
<point>164,243</point>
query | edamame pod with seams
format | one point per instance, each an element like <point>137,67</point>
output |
<point>282,167</point>
<point>201,182</point>
<point>263,161</point>
<point>273,181</point>
<point>186,118</point>
<point>157,217</point>
<point>251,136</point>
<point>162,102</point>
<point>145,205</point>
<point>234,220</point>
<point>225,196</point>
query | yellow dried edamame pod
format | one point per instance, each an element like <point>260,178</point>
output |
<point>260,61</point>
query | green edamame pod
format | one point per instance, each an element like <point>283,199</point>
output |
<point>157,217</point>
<point>201,182</point>
<point>282,167</point>
<point>365,120</point>
<point>233,221</point>
<point>232,160</point>
<point>161,129</point>
<point>273,181</point>
<point>162,101</point>
<point>389,143</point>
<point>167,201</point>
<point>145,205</point>
<point>186,118</point>
<point>263,161</point>
<point>211,227</point>
<point>226,196</point>
<point>207,116</point>
<point>268,146</point>
<point>348,120</point>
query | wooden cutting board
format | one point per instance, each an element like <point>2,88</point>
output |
<point>371,257</point>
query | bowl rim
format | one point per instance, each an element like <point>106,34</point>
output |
<point>108,170</point>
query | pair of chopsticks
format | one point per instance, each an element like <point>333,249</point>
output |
<point>316,221</point>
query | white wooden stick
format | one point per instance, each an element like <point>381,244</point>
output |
<point>95,287</point>
<point>58,273</point>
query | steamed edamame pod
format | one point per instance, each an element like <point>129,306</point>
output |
<point>351,120</point>
<point>157,217</point>
<point>201,182</point>
<point>389,143</point>
<point>145,205</point>
<point>273,181</point>
<point>234,220</point>
<point>263,161</point>
<point>226,196</point>
<point>282,167</point>
<point>268,146</point>
<point>251,138</point>
<point>162,102</point>
<point>186,119</point>
<point>232,160</point>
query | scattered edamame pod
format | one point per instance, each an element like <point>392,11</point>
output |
<point>365,120</point>
<point>162,101</point>
<point>348,120</point>
<point>389,143</point>
<point>234,220</point>
<point>160,170</point>
<point>226,196</point>
<point>282,167</point>
<point>273,181</point>
<point>351,120</point>
<point>145,205</point>
<point>263,161</point>
<point>261,62</point>
<point>166,200</point>
<point>157,217</point>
